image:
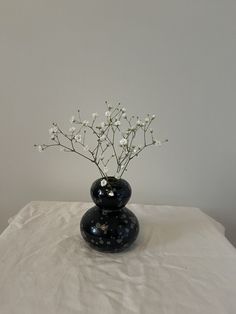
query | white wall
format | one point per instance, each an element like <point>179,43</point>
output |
<point>173,58</point>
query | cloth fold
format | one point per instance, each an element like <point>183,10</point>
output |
<point>180,263</point>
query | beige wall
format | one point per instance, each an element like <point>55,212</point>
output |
<point>173,58</point>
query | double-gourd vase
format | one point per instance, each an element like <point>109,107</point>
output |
<point>109,226</point>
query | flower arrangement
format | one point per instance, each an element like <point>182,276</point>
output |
<point>115,139</point>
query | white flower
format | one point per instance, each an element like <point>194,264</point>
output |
<point>123,110</point>
<point>105,170</point>
<point>133,128</point>
<point>117,176</point>
<point>85,123</point>
<point>108,113</point>
<point>53,130</point>
<point>117,123</point>
<point>72,129</point>
<point>111,193</point>
<point>157,143</point>
<point>95,115</point>
<point>78,138</point>
<point>72,119</point>
<point>123,141</point>
<point>122,166</point>
<point>139,123</point>
<point>52,137</point>
<point>102,138</point>
<point>124,115</point>
<point>146,120</point>
<point>103,182</point>
<point>40,148</point>
<point>153,116</point>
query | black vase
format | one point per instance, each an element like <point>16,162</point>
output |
<point>109,226</point>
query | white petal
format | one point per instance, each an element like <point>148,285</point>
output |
<point>40,148</point>
<point>103,182</point>
<point>72,119</point>
<point>53,130</point>
<point>123,141</point>
<point>72,129</point>
<point>95,115</point>
<point>157,143</point>
<point>117,123</point>
<point>102,138</point>
<point>107,113</point>
<point>77,138</point>
<point>111,193</point>
<point>85,123</point>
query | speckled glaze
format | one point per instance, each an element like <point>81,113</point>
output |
<point>120,188</point>
<point>110,226</point>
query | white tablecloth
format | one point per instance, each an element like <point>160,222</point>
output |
<point>181,263</point>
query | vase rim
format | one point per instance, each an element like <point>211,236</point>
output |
<point>112,177</point>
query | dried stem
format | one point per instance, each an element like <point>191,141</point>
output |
<point>107,135</point>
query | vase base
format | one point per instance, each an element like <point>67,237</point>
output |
<point>110,231</point>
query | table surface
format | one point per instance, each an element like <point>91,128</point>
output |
<point>181,263</point>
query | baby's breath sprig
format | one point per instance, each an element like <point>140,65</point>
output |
<point>115,138</point>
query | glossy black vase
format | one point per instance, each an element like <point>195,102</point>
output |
<point>109,226</point>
